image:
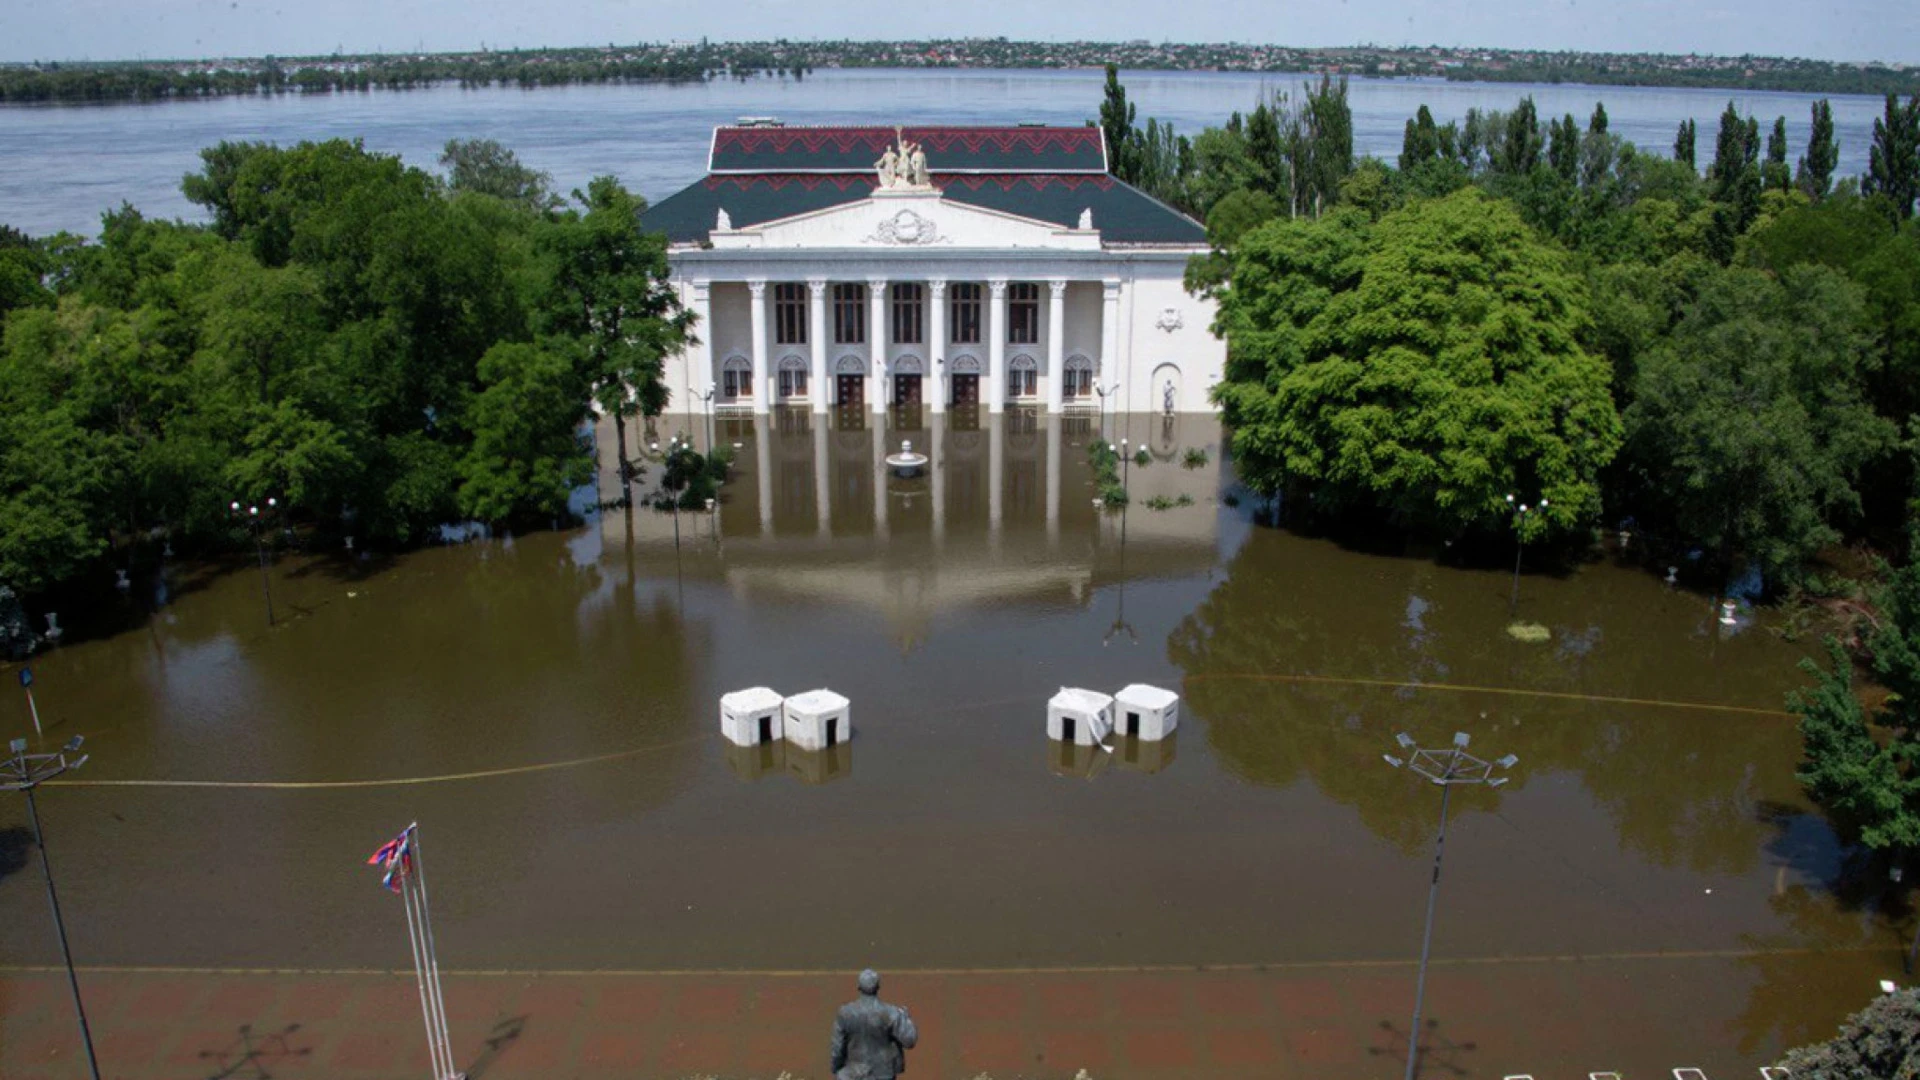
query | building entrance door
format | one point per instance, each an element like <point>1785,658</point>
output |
<point>850,390</point>
<point>966,389</point>
<point>906,389</point>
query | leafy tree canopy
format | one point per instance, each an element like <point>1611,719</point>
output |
<point>1425,366</point>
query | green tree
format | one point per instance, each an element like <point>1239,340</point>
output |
<point>1116,122</point>
<point>1893,166</point>
<point>1521,150</point>
<point>1683,142</point>
<point>527,454</point>
<point>1734,180</point>
<point>486,167</point>
<point>1423,367</point>
<point>1815,175</point>
<point>610,293</point>
<point>53,472</point>
<point>1775,175</point>
<point>24,267</point>
<point>1563,148</point>
<point>1421,143</point>
<point>1322,143</point>
<point>1597,123</point>
<point>1881,1041</point>
<point>1748,426</point>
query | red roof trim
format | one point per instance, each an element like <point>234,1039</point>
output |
<point>971,182</point>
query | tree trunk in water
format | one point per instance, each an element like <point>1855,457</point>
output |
<point>626,472</point>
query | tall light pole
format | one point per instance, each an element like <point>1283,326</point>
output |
<point>1446,768</point>
<point>1105,392</point>
<point>706,401</point>
<point>24,772</point>
<point>1521,511</point>
<point>255,523</point>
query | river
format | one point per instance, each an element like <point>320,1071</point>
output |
<point>62,166</point>
<point>546,706</point>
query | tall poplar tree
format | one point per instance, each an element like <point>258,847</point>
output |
<point>1774,175</point>
<point>1116,121</point>
<point>1683,141</point>
<point>1893,167</point>
<point>1815,177</point>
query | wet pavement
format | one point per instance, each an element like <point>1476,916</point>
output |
<point>545,706</point>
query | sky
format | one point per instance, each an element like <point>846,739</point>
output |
<point>1884,30</point>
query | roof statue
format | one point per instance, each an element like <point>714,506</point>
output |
<point>904,166</point>
<point>1086,219</point>
<point>723,223</point>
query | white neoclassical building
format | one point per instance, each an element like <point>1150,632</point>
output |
<point>868,267</point>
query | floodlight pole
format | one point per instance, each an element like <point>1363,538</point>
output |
<point>24,772</point>
<point>1445,768</point>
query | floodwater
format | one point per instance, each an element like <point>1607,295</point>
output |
<point>62,166</point>
<point>545,706</point>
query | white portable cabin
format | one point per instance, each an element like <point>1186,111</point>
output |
<point>818,720</point>
<point>1146,712</point>
<point>1079,716</point>
<point>751,716</point>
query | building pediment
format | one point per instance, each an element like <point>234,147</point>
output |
<point>894,219</point>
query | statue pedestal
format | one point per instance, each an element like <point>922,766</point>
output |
<point>928,192</point>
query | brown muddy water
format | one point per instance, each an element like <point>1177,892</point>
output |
<point>545,706</point>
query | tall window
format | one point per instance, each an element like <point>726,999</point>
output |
<point>1024,379</point>
<point>1079,382</point>
<point>964,317</point>
<point>793,382</point>
<point>849,314</point>
<point>790,313</point>
<point>1023,322</point>
<point>907,314</point>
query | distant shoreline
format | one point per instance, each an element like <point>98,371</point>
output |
<point>680,62</point>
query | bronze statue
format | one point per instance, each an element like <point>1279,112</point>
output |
<point>870,1037</point>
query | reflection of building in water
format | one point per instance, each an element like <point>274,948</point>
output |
<point>1012,269</point>
<point>820,766</point>
<point>1004,511</point>
<point>1144,755</point>
<point>811,767</point>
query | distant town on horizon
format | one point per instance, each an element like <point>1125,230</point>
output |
<point>706,59</point>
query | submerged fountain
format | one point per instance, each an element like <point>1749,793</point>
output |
<point>906,463</point>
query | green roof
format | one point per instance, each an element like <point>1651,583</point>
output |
<point>1122,213</point>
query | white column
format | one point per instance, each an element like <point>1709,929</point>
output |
<point>877,342</point>
<point>758,289</point>
<point>817,330</point>
<point>1110,372</point>
<point>822,493</point>
<point>1056,344</point>
<point>997,345</point>
<point>936,376</point>
<point>700,355</point>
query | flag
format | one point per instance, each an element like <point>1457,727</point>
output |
<point>396,855</point>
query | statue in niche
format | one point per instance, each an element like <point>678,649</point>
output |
<point>871,1037</point>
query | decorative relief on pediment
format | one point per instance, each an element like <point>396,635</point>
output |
<point>906,227</point>
<point>1170,320</point>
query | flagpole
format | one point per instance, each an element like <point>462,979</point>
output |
<point>433,959</point>
<point>406,876</point>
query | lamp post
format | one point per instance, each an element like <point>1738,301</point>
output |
<point>255,522</point>
<point>1105,392</point>
<point>1446,768</point>
<point>1521,510</point>
<point>23,772</point>
<point>706,402</point>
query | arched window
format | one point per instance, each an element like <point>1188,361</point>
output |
<point>793,376</point>
<point>1079,376</point>
<point>736,378</point>
<point>1023,377</point>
